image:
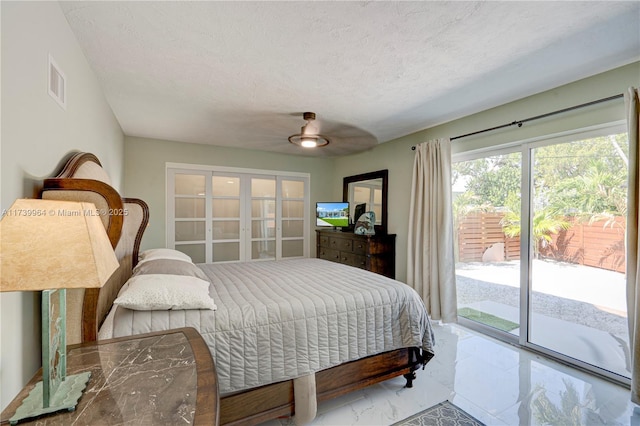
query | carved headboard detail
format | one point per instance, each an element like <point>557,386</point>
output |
<point>125,219</point>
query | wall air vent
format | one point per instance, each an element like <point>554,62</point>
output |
<point>57,84</point>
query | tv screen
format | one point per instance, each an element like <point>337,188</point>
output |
<point>332,214</point>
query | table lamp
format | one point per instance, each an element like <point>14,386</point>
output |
<point>53,245</point>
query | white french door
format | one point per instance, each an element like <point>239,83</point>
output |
<point>231,215</point>
<point>227,218</point>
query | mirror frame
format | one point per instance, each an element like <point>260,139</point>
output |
<point>379,174</point>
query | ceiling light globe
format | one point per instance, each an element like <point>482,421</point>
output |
<point>308,143</point>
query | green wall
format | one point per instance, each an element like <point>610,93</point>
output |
<point>144,171</point>
<point>398,157</point>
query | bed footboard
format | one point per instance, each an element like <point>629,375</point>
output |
<point>258,405</point>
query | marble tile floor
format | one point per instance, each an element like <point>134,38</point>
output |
<point>493,381</point>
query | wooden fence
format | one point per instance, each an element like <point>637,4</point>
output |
<point>479,231</point>
<point>599,244</point>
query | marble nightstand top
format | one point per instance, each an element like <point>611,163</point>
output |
<point>157,378</point>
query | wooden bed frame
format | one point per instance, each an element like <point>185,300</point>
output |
<point>125,219</point>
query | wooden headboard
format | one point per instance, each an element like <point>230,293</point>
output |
<point>125,219</point>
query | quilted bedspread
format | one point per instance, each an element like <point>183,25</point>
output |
<point>278,320</point>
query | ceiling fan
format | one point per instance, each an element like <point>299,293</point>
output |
<point>309,136</point>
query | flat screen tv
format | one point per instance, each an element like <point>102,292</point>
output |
<point>332,214</point>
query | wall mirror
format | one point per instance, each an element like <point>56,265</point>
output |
<point>371,190</point>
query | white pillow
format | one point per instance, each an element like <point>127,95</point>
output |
<point>163,253</point>
<point>156,292</point>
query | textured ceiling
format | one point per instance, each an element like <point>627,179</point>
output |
<point>240,74</point>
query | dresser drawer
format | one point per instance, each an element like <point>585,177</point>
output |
<point>359,247</point>
<point>342,244</point>
<point>359,261</point>
<point>353,260</point>
<point>323,240</point>
<point>329,254</point>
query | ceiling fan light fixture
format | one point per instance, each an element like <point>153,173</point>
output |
<point>305,138</point>
<point>308,142</point>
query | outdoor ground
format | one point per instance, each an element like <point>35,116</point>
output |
<point>569,301</point>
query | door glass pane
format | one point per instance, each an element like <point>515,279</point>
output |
<point>226,229</point>
<point>292,228</point>
<point>263,229</point>
<point>189,184</point>
<point>263,250</point>
<point>190,231</point>
<point>226,186</point>
<point>292,209</point>
<point>263,187</point>
<point>225,208</point>
<point>226,252</point>
<point>292,248</point>
<point>263,208</point>
<point>486,193</point>
<point>292,189</point>
<point>578,299</point>
<point>189,207</point>
<point>195,251</point>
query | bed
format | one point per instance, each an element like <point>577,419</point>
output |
<point>283,334</point>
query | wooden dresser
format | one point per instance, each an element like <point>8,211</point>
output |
<point>375,253</point>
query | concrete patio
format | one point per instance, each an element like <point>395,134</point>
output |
<point>576,310</point>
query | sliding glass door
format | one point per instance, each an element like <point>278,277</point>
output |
<point>486,190</point>
<point>555,280</point>
<point>578,208</point>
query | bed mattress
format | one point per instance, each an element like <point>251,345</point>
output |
<point>279,320</point>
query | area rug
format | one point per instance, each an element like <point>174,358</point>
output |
<point>443,414</point>
<point>488,319</point>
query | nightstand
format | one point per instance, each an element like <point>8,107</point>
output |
<point>157,378</point>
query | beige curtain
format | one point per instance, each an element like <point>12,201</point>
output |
<point>430,261</point>
<point>633,247</point>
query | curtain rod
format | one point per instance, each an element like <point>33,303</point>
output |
<point>519,123</point>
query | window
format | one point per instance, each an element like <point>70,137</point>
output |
<point>221,214</point>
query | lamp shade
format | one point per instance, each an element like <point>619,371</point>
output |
<point>48,244</point>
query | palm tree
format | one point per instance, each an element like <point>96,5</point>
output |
<point>599,193</point>
<point>543,225</point>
